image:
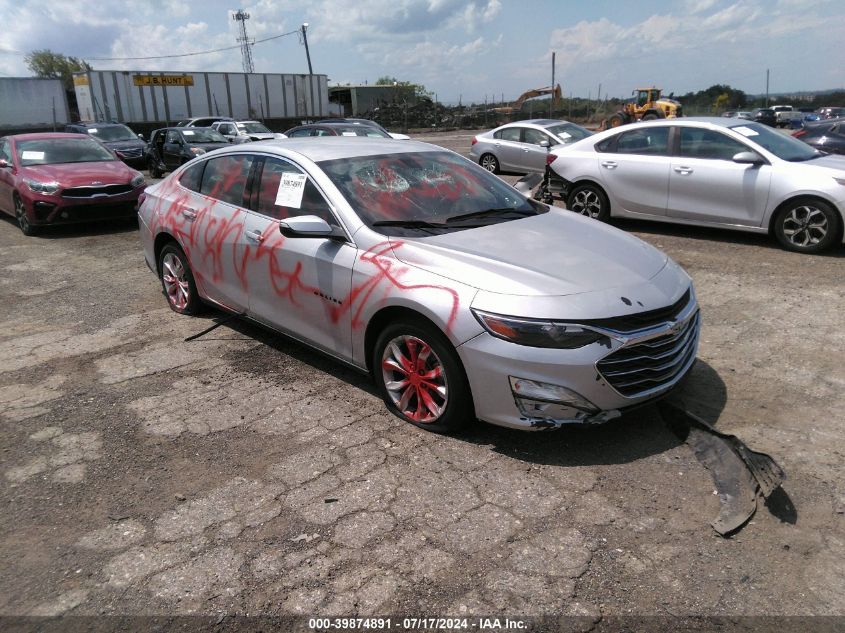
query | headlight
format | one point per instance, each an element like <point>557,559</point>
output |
<point>537,332</point>
<point>137,181</point>
<point>42,187</point>
<point>197,151</point>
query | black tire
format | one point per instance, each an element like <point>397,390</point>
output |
<point>589,200</point>
<point>180,289</point>
<point>490,163</point>
<point>154,170</point>
<point>457,409</point>
<point>22,218</point>
<point>616,120</point>
<point>807,225</point>
<point>651,116</point>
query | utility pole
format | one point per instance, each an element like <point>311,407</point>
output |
<point>767,88</point>
<point>245,42</point>
<point>305,41</point>
<point>552,100</point>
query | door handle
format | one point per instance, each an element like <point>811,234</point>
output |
<point>609,164</point>
<point>189,214</point>
<point>684,171</point>
<point>254,236</point>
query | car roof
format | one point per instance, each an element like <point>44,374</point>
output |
<point>322,148</point>
<point>89,124</point>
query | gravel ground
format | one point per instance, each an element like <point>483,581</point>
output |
<point>242,473</point>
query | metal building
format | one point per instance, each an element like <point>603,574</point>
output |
<point>27,102</point>
<point>135,96</point>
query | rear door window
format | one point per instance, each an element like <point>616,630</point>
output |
<point>225,178</point>
<point>191,178</point>
<point>650,141</point>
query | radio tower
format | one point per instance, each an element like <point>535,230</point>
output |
<point>245,42</point>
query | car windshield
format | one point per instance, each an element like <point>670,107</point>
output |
<point>253,127</point>
<point>52,151</point>
<point>784,147</point>
<point>569,132</point>
<point>203,135</point>
<point>113,133</point>
<point>426,192</point>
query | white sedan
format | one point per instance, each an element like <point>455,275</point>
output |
<point>719,172</point>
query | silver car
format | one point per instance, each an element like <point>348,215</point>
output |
<point>717,172</point>
<point>522,147</point>
<point>464,298</point>
<point>245,131</point>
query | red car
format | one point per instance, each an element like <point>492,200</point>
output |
<point>55,178</point>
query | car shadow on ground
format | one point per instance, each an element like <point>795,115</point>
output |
<point>637,434</point>
<point>709,234</point>
<point>84,229</point>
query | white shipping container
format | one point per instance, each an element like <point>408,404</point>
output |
<point>28,102</point>
<point>151,97</point>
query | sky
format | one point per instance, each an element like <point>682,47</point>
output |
<point>460,49</point>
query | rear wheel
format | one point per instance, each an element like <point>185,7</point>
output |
<point>420,377</point>
<point>651,116</point>
<point>23,220</point>
<point>490,163</point>
<point>177,280</point>
<point>807,226</point>
<point>590,201</point>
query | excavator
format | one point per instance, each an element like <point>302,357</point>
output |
<point>535,92</point>
<point>647,104</point>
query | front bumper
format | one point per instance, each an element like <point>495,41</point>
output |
<point>54,209</point>
<point>490,363</point>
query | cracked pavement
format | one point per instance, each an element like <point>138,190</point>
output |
<point>242,473</point>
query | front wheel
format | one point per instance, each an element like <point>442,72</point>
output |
<point>651,116</point>
<point>807,226</point>
<point>177,280</point>
<point>490,163</point>
<point>23,220</point>
<point>590,201</point>
<point>420,377</point>
<point>616,120</point>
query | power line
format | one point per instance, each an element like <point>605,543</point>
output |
<point>126,59</point>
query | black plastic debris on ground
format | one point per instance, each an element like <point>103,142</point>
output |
<point>739,473</point>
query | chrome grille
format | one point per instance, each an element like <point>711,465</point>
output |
<point>98,191</point>
<point>637,369</point>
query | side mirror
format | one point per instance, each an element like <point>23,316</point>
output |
<point>308,226</point>
<point>544,144</point>
<point>527,183</point>
<point>748,158</point>
<point>4,164</point>
<point>141,136</point>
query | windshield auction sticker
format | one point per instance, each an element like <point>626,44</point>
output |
<point>291,188</point>
<point>745,131</point>
<point>31,155</point>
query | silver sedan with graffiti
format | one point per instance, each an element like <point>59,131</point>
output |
<point>461,296</point>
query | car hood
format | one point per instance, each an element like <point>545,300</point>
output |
<point>556,253</point>
<point>81,174</point>
<point>210,147</point>
<point>124,145</point>
<point>834,163</point>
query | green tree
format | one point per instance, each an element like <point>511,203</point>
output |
<point>47,64</point>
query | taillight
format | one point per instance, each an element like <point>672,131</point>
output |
<point>474,140</point>
<point>798,133</point>
<point>550,158</point>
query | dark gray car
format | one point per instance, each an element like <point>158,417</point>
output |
<point>173,146</point>
<point>115,136</point>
